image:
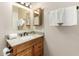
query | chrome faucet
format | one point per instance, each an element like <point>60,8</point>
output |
<point>25,33</point>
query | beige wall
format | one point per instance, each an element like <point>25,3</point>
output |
<point>59,41</point>
<point>5,23</point>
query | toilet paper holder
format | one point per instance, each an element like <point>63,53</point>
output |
<point>7,51</point>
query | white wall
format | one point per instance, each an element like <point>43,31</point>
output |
<point>59,41</point>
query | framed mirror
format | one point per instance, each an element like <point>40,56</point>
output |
<point>38,17</point>
<point>21,17</point>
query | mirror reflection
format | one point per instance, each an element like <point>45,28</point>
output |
<point>21,17</point>
<point>38,16</point>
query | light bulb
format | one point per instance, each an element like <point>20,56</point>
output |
<point>22,2</point>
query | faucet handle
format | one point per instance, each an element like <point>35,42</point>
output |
<point>25,33</point>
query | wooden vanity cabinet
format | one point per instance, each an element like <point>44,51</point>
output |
<point>38,47</point>
<point>31,48</point>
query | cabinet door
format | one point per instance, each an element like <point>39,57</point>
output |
<point>26,52</point>
<point>38,49</point>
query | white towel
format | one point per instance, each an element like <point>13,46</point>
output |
<point>60,15</point>
<point>20,22</point>
<point>52,17</point>
<point>13,36</point>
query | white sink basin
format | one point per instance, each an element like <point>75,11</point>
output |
<point>26,38</point>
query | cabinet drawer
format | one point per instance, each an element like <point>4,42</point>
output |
<point>23,46</point>
<point>38,40</point>
<point>26,52</point>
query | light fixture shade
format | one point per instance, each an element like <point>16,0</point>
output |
<point>22,2</point>
<point>27,4</point>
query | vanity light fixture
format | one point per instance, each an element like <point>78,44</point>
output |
<point>21,6</point>
<point>22,2</point>
<point>26,4</point>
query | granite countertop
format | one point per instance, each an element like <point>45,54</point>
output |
<point>20,40</point>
